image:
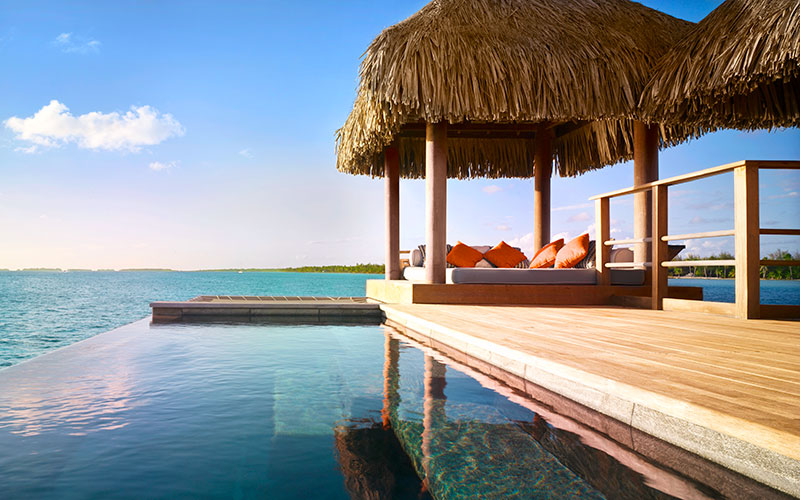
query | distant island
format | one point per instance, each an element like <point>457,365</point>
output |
<point>355,269</point>
<point>728,272</point>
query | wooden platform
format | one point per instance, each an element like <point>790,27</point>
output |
<point>723,388</point>
<point>407,292</point>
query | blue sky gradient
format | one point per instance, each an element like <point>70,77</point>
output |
<point>249,180</point>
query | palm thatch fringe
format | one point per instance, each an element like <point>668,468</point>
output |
<point>508,61</point>
<point>598,144</point>
<point>738,68</point>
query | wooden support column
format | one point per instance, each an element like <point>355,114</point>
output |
<point>659,253</point>
<point>645,169</point>
<point>435,202</point>
<point>542,172</point>
<point>603,234</point>
<point>747,245</point>
<point>391,168</point>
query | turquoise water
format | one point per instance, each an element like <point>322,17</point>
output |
<point>42,311</point>
<point>772,291</point>
<point>269,411</point>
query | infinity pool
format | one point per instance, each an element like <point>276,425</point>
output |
<point>277,411</point>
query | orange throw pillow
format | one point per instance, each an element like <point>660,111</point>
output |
<point>463,255</point>
<point>546,257</point>
<point>504,255</point>
<point>573,252</point>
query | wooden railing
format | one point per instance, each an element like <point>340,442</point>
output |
<point>746,233</point>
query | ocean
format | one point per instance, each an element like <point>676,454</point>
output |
<point>41,311</point>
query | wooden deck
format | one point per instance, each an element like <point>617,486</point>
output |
<point>724,388</point>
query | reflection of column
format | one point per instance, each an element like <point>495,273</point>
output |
<point>391,379</point>
<point>433,408</point>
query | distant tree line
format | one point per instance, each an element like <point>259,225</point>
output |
<point>356,269</point>
<point>766,272</point>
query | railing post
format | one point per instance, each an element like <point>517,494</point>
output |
<point>747,244</point>
<point>603,234</point>
<point>659,247</point>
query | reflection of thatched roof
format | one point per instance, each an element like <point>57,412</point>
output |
<point>738,68</point>
<point>507,62</point>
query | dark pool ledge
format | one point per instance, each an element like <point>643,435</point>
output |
<point>257,307</point>
<point>674,420</point>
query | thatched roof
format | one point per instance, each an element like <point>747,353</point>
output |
<point>738,68</point>
<point>579,64</point>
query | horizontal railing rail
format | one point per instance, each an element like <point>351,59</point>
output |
<point>629,241</point>
<point>701,174</point>
<point>746,262</point>
<point>782,262</point>
<point>695,236</point>
<point>698,263</point>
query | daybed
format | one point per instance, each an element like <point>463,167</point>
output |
<point>582,274</point>
<point>477,275</point>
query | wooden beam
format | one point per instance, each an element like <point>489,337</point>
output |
<point>566,128</point>
<point>391,167</point>
<point>645,170</point>
<point>721,308</point>
<point>435,202</point>
<point>659,247</point>
<point>542,172</point>
<point>789,232</point>
<point>603,233</point>
<point>746,254</point>
<point>494,130</point>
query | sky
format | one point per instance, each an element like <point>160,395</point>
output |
<point>190,134</point>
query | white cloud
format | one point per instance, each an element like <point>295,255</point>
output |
<point>492,189</point>
<point>571,207</point>
<point>247,153</point>
<point>336,241</point>
<point>581,217</point>
<point>54,125</point>
<point>697,220</point>
<point>524,243</point>
<point>76,45</point>
<point>29,150</point>
<point>563,234</point>
<point>503,227</point>
<point>792,194</point>
<point>158,166</point>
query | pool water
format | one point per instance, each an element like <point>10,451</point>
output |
<point>277,411</point>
